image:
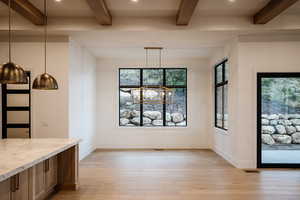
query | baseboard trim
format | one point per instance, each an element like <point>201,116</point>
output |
<point>150,149</point>
<point>226,157</point>
<point>84,154</point>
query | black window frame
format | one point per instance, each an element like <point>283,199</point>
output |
<point>185,86</point>
<point>222,85</point>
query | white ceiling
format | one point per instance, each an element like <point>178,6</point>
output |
<point>180,42</point>
<point>129,44</point>
<point>145,8</point>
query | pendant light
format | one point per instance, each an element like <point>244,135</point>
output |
<point>10,73</point>
<point>45,81</point>
<point>158,94</point>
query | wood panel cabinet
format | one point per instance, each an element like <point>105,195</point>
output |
<point>16,187</point>
<point>51,173</point>
<point>38,182</point>
<point>5,187</point>
<point>45,178</point>
<point>21,189</point>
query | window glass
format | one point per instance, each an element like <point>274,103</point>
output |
<point>176,111</point>
<point>153,115</point>
<point>219,72</point>
<point>219,107</point>
<point>129,112</point>
<point>175,77</point>
<point>129,77</point>
<point>152,76</point>
<point>225,106</point>
<point>226,71</point>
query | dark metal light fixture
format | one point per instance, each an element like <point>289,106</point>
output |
<point>45,81</point>
<point>10,73</point>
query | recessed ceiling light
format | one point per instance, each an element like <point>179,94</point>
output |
<point>58,0</point>
<point>231,1</point>
<point>134,1</point>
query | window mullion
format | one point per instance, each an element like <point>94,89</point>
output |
<point>141,99</point>
<point>164,104</point>
<point>223,98</point>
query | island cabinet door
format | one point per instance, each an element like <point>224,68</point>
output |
<point>51,173</point>
<point>21,186</point>
<point>5,190</point>
<point>39,181</point>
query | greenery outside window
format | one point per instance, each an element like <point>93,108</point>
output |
<point>152,115</point>
<point>221,95</point>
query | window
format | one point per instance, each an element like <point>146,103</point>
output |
<point>152,115</point>
<point>221,95</point>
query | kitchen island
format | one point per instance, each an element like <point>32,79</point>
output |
<point>32,169</point>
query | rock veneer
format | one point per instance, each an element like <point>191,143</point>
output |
<point>131,118</point>
<point>280,129</point>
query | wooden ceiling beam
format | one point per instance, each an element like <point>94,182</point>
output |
<point>101,11</point>
<point>185,12</point>
<point>272,10</point>
<point>27,10</point>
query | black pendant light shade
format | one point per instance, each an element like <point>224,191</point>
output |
<point>11,73</point>
<point>45,82</point>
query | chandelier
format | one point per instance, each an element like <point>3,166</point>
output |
<point>148,94</point>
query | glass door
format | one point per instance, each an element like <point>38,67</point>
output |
<point>278,119</point>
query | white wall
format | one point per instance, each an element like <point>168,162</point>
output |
<point>276,56</point>
<point>70,111</point>
<point>82,98</point>
<point>109,135</point>
<point>223,142</point>
<point>49,108</point>
<point>247,56</point>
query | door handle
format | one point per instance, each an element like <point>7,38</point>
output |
<point>47,165</point>
<point>15,183</point>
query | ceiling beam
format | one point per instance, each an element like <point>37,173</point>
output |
<point>272,10</point>
<point>185,12</point>
<point>27,10</point>
<point>101,11</point>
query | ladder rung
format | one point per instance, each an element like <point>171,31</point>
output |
<point>18,108</point>
<point>18,126</point>
<point>18,91</point>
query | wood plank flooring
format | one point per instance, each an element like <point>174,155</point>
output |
<point>176,175</point>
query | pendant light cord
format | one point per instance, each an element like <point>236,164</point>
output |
<point>9,30</point>
<point>45,33</point>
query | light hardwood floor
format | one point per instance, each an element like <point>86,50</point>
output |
<point>176,175</point>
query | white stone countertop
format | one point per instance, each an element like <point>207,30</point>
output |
<point>17,155</point>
